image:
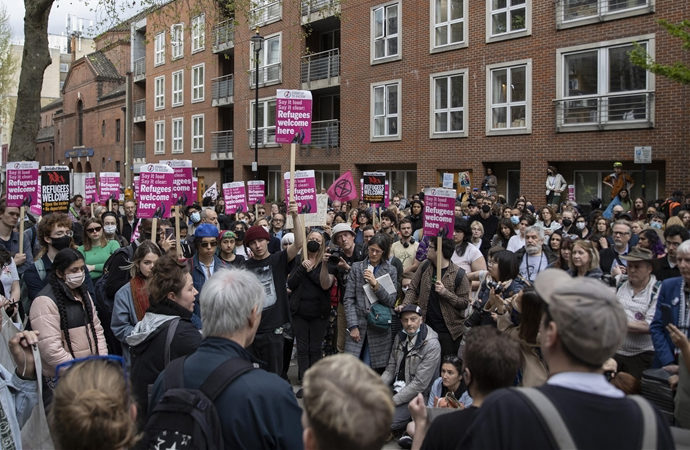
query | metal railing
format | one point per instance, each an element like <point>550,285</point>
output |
<point>223,35</point>
<point>602,110</point>
<point>264,14</point>
<point>325,134</point>
<point>314,6</point>
<point>222,89</point>
<point>139,110</point>
<point>267,75</point>
<point>267,136</point>
<point>571,10</point>
<point>222,142</point>
<point>319,66</point>
<point>139,149</point>
<point>139,68</point>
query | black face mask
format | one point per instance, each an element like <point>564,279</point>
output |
<point>240,235</point>
<point>313,246</point>
<point>486,208</point>
<point>567,222</point>
<point>61,242</point>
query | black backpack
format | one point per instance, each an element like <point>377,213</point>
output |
<point>187,418</point>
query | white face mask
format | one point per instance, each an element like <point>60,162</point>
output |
<point>580,225</point>
<point>74,280</point>
<point>110,229</point>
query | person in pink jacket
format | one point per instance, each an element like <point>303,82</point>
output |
<point>65,316</point>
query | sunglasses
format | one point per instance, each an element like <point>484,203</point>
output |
<point>111,359</point>
<point>94,230</point>
<point>209,244</point>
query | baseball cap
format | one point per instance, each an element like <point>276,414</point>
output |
<point>638,253</point>
<point>339,228</point>
<point>591,322</point>
<point>410,308</point>
<point>206,230</point>
<point>226,234</point>
<point>254,233</point>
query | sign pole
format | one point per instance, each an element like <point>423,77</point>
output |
<point>92,215</point>
<point>154,230</point>
<point>177,232</point>
<point>439,253</point>
<point>22,213</point>
<point>293,150</point>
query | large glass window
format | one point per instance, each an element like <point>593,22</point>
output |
<point>385,30</point>
<point>266,123</point>
<point>577,10</point>
<point>198,133</point>
<point>177,40</point>
<point>449,22</point>
<point>177,88</point>
<point>448,103</point>
<point>269,62</point>
<point>508,16</point>
<point>198,83</point>
<point>386,110</point>
<point>510,90</point>
<point>159,93</point>
<point>198,33</point>
<point>159,49</point>
<point>159,137</point>
<point>177,135</point>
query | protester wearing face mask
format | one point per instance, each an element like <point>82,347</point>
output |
<point>517,241</point>
<point>65,317</point>
<point>194,214</point>
<point>110,230</point>
<point>204,263</point>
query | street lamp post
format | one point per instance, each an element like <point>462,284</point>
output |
<point>258,41</point>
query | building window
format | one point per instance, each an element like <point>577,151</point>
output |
<point>64,67</point>
<point>448,24</point>
<point>159,44</point>
<point>582,12</point>
<point>385,110</point>
<point>507,19</point>
<point>177,135</point>
<point>385,32</point>
<point>267,122</point>
<point>117,166</point>
<point>159,93</point>
<point>103,128</point>
<point>177,88</point>
<point>198,133</point>
<point>448,95</point>
<point>177,40</point>
<point>269,62</point>
<point>198,33</point>
<point>117,130</point>
<point>264,12</point>
<point>509,101</point>
<point>198,83</point>
<point>159,137</point>
<point>598,87</point>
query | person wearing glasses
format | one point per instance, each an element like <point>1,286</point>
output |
<point>611,261</point>
<point>204,263</point>
<point>65,316</point>
<point>97,248</point>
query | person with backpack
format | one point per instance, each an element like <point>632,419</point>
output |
<point>166,331</point>
<point>252,408</point>
<point>443,302</point>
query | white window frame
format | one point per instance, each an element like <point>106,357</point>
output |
<point>198,140</point>
<point>267,131</point>
<point>198,25</point>
<point>509,33</point>
<point>433,48</point>
<point>602,81</point>
<point>159,137</point>
<point>177,139</point>
<point>385,85</point>
<point>509,128</point>
<point>198,86</point>
<point>177,88</point>
<point>433,134</point>
<point>176,41</point>
<point>159,93</point>
<point>385,36</point>
<point>159,49</point>
<point>264,67</point>
<point>263,12</point>
<point>601,13</point>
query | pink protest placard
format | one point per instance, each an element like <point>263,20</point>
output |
<point>305,191</point>
<point>37,208</point>
<point>90,193</point>
<point>293,116</point>
<point>155,191</point>
<point>439,211</point>
<point>136,187</point>
<point>183,188</point>
<point>110,185</point>
<point>256,192</point>
<point>22,183</point>
<point>235,198</point>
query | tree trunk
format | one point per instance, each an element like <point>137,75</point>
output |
<point>35,59</point>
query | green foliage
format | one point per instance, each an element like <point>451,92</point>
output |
<point>677,71</point>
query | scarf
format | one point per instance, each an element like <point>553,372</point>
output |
<point>140,296</point>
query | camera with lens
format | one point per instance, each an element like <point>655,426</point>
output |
<point>336,254</point>
<point>495,285</point>
<point>475,317</point>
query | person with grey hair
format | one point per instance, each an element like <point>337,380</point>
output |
<point>535,256</point>
<point>258,409</point>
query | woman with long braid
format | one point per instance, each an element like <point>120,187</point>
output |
<point>65,316</point>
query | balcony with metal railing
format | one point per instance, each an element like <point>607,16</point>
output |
<point>221,144</point>
<point>580,12</point>
<point>268,75</point>
<point>313,10</point>
<point>325,135</point>
<point>222,90</point>
<point>267,137</point>
<point>139,69</point>
<point>605,112</point>
<point>224,36</point>
<point>139,111</point>
<point>139,151</point>
<point>264,13</point>
<point>321,70</point>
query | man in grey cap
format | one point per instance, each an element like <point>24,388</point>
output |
<point>583,325</point>
<point>638,296</point>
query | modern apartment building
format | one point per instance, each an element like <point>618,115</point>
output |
<point>417,88</point>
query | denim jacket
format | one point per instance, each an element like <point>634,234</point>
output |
<point>18,398</point>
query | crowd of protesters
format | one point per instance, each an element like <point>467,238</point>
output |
<point>99,282</point>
